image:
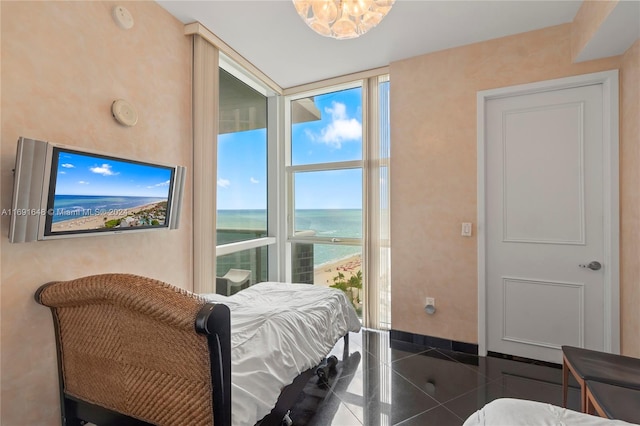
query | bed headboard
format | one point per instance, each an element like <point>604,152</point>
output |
<point>140,347</point>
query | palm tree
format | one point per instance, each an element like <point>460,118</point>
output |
<point>348,286</point>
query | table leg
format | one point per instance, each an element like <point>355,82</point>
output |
<point>565,382</point>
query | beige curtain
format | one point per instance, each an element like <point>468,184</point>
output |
<point>205,131</point>
<point>377,248</point>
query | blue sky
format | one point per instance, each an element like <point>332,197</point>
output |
<point>84,174</point>
<point>337,136</point>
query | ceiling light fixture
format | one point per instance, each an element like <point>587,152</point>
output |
<point>342,19</point>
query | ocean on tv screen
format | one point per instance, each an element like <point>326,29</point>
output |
<point>83,212</point>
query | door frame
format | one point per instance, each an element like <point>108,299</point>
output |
<point>611,219</point>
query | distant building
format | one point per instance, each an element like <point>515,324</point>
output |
<point>128,222</point>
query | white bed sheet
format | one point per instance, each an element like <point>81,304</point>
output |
<point>279,330</point>
<point>520,412</point>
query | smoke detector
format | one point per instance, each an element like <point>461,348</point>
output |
<point>123,17</point>
<point>124,112</point>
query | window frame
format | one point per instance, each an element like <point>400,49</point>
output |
<point>273,130</point>
<point>289,170</point>
<point>375,267</point>
<point>208,49</point>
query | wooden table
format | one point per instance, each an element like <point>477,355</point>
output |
<point>613,402</point>
<point>585,364</point>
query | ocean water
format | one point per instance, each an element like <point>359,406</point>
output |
<point>66,207</point>
<point>333,223</point>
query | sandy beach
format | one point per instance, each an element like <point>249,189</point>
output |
<point>323,275</point>
<point>95,221</point>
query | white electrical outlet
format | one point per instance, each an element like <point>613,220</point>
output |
<point>430,305</point>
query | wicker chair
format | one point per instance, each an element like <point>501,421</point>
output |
<point>133,350</point>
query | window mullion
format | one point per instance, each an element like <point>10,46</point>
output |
<point>317,167</point>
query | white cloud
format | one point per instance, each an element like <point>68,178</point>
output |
<point>82,182</point>
<point>104,170</point>
<point>254,180</point>
<point>160,184</point>
<point>62,172</point>
<point>67,165</point>
<point>341,129</point>
<point>224,183</point>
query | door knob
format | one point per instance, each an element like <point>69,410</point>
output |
<point>594,265</point>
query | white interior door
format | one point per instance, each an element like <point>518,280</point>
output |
<point>545,236</point>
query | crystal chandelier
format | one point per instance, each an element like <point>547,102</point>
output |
<point>342,19</point>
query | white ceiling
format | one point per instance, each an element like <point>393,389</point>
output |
<point>271,35</point>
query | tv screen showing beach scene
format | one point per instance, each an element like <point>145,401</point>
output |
<point>98,193</point>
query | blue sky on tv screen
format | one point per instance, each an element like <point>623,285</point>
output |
<point>86,174</point>
<point>337,136</point>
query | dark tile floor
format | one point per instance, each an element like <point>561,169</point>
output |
<point>383,383</point>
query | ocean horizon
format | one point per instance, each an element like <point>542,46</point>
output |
<point>335,223</point>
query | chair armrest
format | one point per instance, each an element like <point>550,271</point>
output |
<point>214,321</point>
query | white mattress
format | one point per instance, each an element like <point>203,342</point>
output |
<point>520,412</point>
<point>279,330</point>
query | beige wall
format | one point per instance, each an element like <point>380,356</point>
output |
<point>63,63</point>
<point>630,196</point>
<point>433,166</point>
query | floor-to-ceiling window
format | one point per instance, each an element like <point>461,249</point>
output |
<point>242,184</point>
<point>325,184</point>
<point>296,186</point>
<point>337,193</point>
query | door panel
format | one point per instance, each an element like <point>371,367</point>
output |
<point>528,302</point>
<point>544,217</point>
<point>550,208</point>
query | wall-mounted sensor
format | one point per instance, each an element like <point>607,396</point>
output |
<point>124,112</point>
<point>122,17</point>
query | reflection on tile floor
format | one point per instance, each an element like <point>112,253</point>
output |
<point>379,383</point>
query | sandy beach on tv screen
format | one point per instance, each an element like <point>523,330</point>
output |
<point>96,221</point>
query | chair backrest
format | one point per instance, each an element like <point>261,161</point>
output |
<point>129,344</point>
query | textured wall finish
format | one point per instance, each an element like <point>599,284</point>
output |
<point>63,64</point>
<point>433,166</point>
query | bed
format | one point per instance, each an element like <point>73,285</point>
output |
<point>133,350</point>
<point>275,336</point>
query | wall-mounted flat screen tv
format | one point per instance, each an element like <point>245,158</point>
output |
<point>62,191</point>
